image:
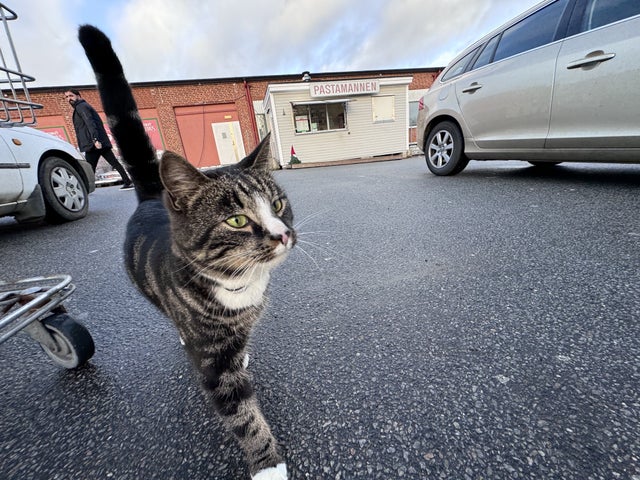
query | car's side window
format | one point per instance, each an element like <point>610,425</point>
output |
<point>486,57</point>
<point>603,12</point>
<point>534,31</point>
<point>460,66</point>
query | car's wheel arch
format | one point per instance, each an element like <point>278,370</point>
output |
<point>437,120</point>
<point>70,160</point>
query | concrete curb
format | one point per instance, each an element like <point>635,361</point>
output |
<point>351,161</point>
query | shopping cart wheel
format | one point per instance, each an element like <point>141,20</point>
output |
<point>73,341</point>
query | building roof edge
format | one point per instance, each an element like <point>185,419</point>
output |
<point>294,77</point>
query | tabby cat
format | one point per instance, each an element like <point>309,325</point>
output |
<point>201,248</point>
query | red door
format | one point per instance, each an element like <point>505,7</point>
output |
<point>194,125</point>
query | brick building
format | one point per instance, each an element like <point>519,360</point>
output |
<point>215,121</point>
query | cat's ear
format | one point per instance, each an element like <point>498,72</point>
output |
<point>180,179</point>
<point>260,158</point>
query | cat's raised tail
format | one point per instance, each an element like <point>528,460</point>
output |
<point>134,144</point>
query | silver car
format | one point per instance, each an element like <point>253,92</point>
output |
<point>558,83</point>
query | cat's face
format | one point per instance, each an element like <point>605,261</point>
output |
<point>230,221</point>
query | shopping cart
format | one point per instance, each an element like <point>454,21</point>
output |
<point>34,305</point>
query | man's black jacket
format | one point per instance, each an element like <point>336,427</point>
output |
<point>88,126</point>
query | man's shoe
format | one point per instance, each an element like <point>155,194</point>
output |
<point>127,186</point>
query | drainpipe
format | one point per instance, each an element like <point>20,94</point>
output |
<point>256,136</point>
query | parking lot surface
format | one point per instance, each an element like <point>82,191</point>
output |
<point>482,326</point>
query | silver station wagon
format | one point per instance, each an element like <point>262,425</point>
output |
<point>558,83</point>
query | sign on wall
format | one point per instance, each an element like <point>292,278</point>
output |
<point>347,87</point>
<point>150,127</point>
<point>59,132</point>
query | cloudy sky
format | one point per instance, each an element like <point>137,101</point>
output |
<point>192,39</point>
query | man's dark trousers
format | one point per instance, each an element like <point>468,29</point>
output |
<point>94,155</point>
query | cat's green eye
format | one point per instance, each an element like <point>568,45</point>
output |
<point>237,221</point>
<point>277,206</point>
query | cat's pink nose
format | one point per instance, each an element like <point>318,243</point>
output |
<point>283,237</point>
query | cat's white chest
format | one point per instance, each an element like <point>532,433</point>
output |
<point>235,295</point>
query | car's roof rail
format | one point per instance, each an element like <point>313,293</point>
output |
<point>16,106</point>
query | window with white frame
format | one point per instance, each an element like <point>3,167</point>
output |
<point>319,116</point>
<point>383,108</point>
<point>261,122</point>
<point>413,114</point>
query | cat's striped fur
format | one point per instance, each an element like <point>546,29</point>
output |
<point>190,252</point>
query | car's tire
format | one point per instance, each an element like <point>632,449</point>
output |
<point>544,164</point>
<point>74,342</point>
<point>65,194</point>
<point>444,149</point>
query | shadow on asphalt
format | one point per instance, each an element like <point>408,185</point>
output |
<point>621,175</point>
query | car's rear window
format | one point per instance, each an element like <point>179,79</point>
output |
<point>534,31</point>
<point>486,56</point>
<point>459,67</point>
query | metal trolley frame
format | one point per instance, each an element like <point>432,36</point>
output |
<point>34,305</point>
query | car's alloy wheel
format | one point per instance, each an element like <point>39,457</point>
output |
<point>67,189</point>
<point>65,194</point>
<point>444,150</point>
<point>440,149</point>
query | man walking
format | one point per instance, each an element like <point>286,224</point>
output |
<point>92,137</point>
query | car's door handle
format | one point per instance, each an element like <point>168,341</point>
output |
<point>472,88</point>
<point>591,59</point>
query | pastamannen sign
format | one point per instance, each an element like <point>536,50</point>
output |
<point>349,87</point>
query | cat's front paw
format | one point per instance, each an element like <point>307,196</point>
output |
<point>279,472</point>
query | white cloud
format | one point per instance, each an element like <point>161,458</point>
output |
<point>189,39</point>
<point>412,32</point>
<point>45,39</point>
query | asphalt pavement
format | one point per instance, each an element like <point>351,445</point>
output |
<point>482,326</point>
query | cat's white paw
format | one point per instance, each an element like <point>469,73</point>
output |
<point>245,360</point>
<point>279,472</point>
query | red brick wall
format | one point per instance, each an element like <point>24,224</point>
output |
<point>423,80</point>
<point>165,96</point>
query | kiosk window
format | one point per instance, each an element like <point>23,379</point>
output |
<point>319,117</point>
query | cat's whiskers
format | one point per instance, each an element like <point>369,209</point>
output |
<point>196,259</point>
<point>308,218</point>
<point>313,233</point>
<point>196,273</point>
<point>240,269</point>
<point>324,248</point>
<point>204,269</point>
<point>187,264</point>
<point>309,255</point>
<point>242,273</point>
